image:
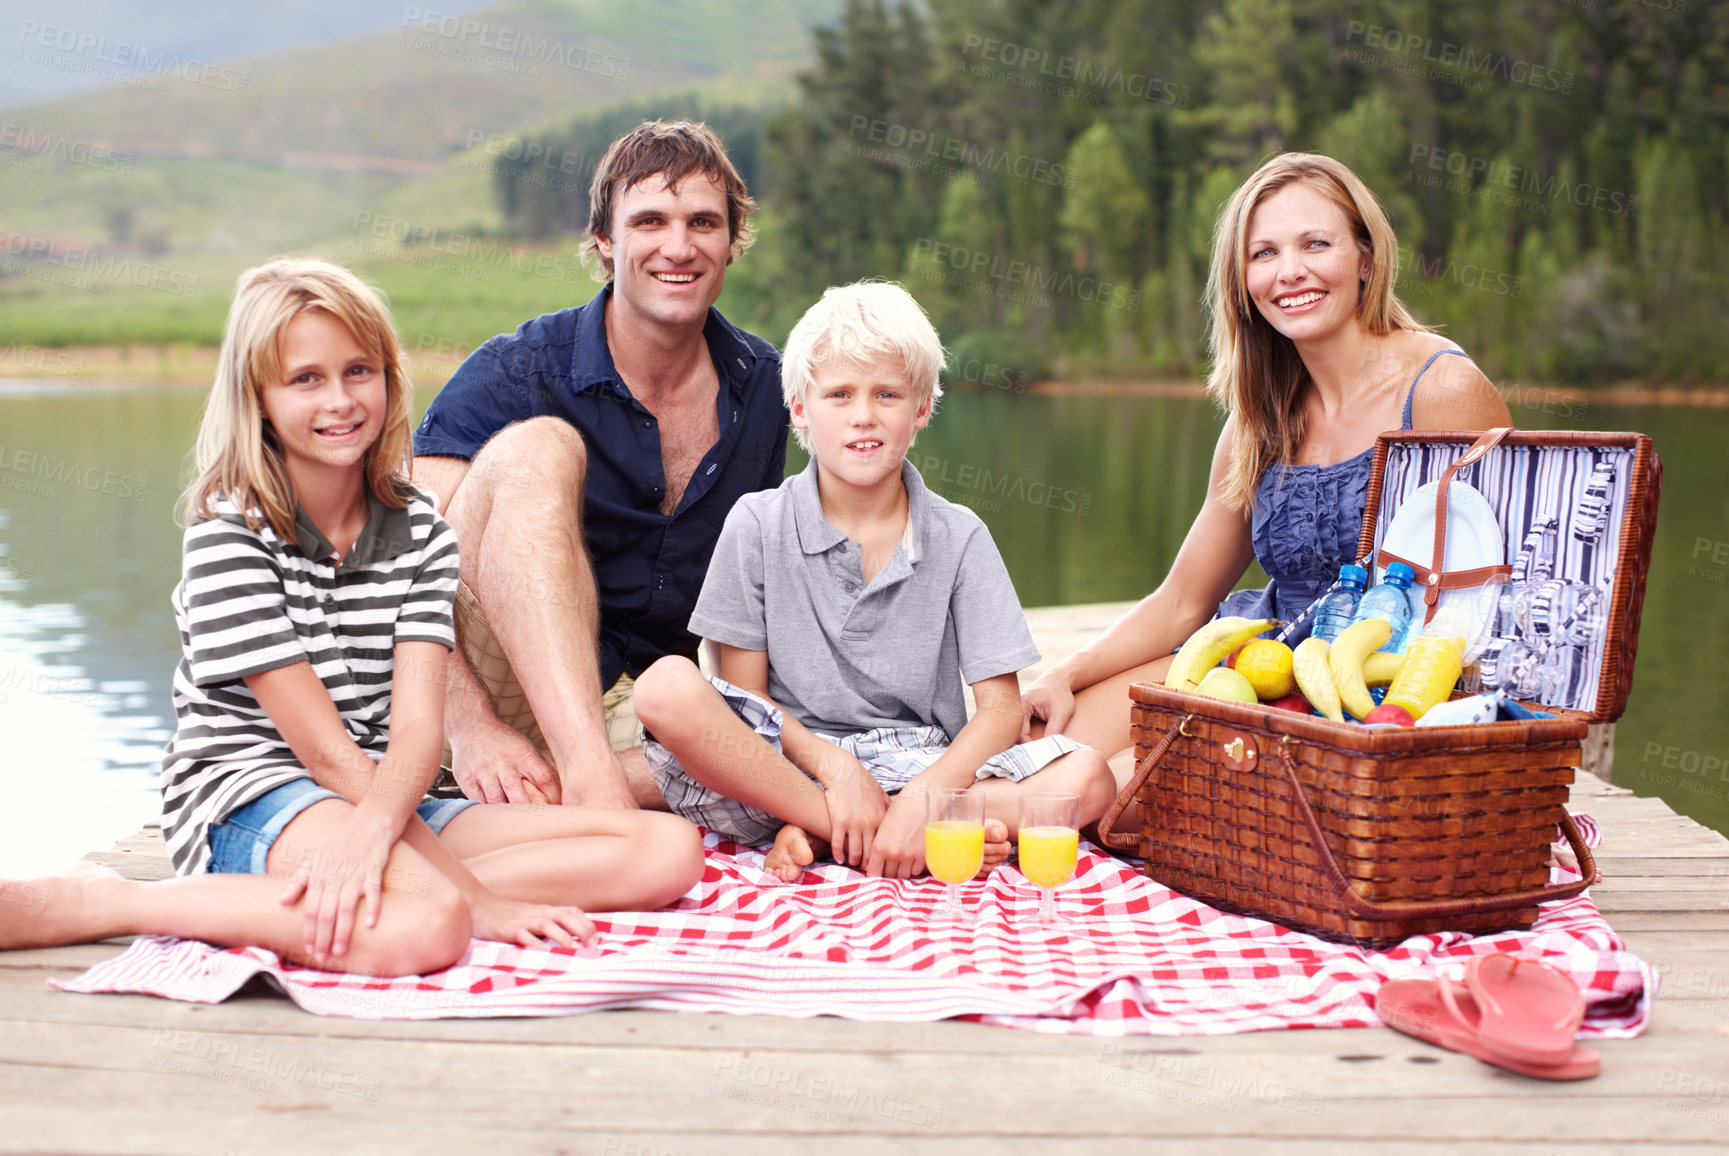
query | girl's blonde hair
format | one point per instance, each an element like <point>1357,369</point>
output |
<point>238,455</point>
<point>1257,375</point>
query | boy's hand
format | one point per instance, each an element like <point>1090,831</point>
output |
<point>856,806</point>
<point>1053,703</point>
<point>899,849</point>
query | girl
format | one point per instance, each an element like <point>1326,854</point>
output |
<point>315,618</point>
<point>1313,356</point>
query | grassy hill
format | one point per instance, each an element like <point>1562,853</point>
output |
<point>131,214</point>
<point>418,92</point>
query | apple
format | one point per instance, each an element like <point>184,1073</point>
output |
<point>1294,701</point>
<point>1388,713</point>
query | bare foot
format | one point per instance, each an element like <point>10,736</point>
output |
<point>47,912</point>
<point>791,854</point>
<point>997,847</point>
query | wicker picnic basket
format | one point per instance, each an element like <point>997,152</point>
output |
<point>1373,835</point>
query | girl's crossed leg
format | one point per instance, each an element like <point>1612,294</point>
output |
<point>530,862</point>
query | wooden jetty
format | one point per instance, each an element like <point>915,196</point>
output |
<point>135,1074</point>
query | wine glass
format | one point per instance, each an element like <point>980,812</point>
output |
<point>1567,612</point>
<point>1049,842</point>
<point>954,844</point>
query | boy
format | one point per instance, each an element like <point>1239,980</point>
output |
<point>848,605</point>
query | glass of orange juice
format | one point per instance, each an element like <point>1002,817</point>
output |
<point>954,843</point>
<point>1049,843</point>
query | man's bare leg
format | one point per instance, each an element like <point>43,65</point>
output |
<point>518,515</point>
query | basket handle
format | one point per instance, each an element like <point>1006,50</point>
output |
<point>1431,908</point>
<point>1127,794</point>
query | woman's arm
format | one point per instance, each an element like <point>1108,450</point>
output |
<point>1212,560</point>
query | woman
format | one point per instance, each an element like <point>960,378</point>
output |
<point>1313,356</point>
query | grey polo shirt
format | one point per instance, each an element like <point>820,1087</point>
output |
<point>845,656</point>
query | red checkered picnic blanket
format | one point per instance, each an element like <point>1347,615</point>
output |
<point>1140,959</point>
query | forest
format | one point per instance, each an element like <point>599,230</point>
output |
<point>1045,177</point>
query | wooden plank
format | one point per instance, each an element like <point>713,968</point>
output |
<point>773,1091</point>
<point>1619,867</point>
<point>151,1132</point>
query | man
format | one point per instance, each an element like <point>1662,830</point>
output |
<point>586,463</point>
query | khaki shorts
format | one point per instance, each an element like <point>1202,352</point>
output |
<point>484,653</point>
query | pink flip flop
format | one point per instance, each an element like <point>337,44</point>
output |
<point>1440,1012</point>
<point>1530,1010</point>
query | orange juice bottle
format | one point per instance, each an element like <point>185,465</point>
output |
<point>1427,676</point>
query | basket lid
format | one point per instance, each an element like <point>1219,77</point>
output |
<point>1593,495</point>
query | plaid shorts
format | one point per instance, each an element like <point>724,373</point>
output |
<point>893,755</point>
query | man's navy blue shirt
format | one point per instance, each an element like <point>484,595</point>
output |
<point>649,567</point>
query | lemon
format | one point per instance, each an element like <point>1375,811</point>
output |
<point>1268,667</point>
<point>1222,682</point>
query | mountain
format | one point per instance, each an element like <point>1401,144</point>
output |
<point>403,100</point>
<point>47,64</point>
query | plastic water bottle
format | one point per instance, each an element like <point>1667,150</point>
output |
<point>1427,676</point>
<point>1339,605</point>
<point>1390,602</point>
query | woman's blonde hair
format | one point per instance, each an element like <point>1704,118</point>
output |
<point>238,455</point>
<point>1257,375</point>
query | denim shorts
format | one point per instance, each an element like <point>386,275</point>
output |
<point>240,843</point>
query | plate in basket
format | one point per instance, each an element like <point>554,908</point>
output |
<point>1473,540</point>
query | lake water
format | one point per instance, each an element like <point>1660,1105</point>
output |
<point>1087,497</point>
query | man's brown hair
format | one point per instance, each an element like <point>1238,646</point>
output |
<point>673,150</point>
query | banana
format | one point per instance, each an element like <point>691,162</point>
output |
<point>1380,667</point>
<point>1350,650</point>
<point>1315,676</point>
<point>1208,645</point>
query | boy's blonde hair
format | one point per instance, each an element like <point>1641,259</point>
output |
<point>859,323</point>
<point>1257,375</point>
<point>238,455</point>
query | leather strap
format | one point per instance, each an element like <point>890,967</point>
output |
<point>1434,577</point>
<point>1133,787</point>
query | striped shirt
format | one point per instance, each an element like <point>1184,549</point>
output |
<point>248,602</point>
